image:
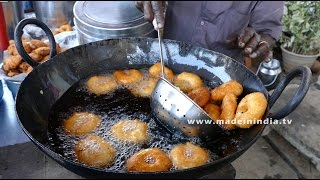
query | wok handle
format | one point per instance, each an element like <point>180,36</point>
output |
<point>18,41</point>
<point>298,96</point>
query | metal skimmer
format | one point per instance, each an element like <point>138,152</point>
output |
<point>177,111</point>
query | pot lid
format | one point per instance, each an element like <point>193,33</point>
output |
<point>103,19</point>
<point>112,14</point>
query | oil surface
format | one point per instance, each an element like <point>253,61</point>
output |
<point>117,106</point>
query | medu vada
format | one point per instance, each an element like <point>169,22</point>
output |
<point>129,76</point>
<point>155,71</point>
<point>200,96</point>
<point>149,160</point>
<point>81,123</point>
<point>228,110</point>
<point>95,151</point>
<point>213,110</point>
<point>218,93</point>
<point>133,131</point>
<point>251,108</point>
<point>186,81</point>
<point>188,155</point>
<point>144,88</point>
<point>101,84</point>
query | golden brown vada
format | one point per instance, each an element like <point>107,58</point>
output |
<point>228,110</point>
<point>155,71</point>
<point>251,108</point>
<point>149,160</point>
<point>213,110</point>
<point>217,94</point>
<point>127,77</point>
<point>133,131</point>
<point>101,84</point>
<point>81,123</point>
<point>200,96</point>
<point>188,155</point>
<point>144,88</point>
<point>95,151</point>
<point>186,81</point>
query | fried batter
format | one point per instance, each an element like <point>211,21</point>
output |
<point>81,123</point>
<point>185,156</point>
<point>228,110</point>
<point>149,160</point>
<point>144,88</point>
<point>95,151</point>
<point>156,71</point>
<point>35,56</point>
<point>213,110</point>
<point>217,94</point>
<point>101,84</point>
<point>127,77</point>
<point>252,107</point>
<point>200,96</point>
<point>187,81</point>
<point>134,131</point>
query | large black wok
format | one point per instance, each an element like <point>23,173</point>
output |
<point>50,80</point>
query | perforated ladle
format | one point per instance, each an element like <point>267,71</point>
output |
<point>177,111</point>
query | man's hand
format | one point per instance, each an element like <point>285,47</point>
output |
<point>153,12</point>
<point>255,46</point>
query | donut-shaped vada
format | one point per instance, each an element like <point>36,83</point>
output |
<point>144,88</point>
<point>200,96</point>
<point>149,160</point>
<point>81,123</point>
<point>217,94</point>
<point>95,151</point>
<point>101,84</point>
<point>187,81</point>
<point>228,110</point>
<point>127,77</point>
<point>251,108</point>
<point>213,110</point>
<point>133,131</point>
<point>155,71</point>
<point>188,155</point>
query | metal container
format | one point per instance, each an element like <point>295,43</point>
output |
<point>269,72</point>
<point>13,13</point>
<point>98,20</point>
<point>54,13</point>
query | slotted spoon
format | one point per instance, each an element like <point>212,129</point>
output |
<point>177,111</point>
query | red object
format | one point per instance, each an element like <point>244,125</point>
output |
<point>4,41</point>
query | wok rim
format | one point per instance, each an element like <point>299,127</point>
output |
<point>61,159</point>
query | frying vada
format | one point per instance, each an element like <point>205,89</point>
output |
<point>155,71</point>
<point>217,94</point>
<point>188,155</point>
<point>144,88</point>
<point>149,160</point>
<point>101,84</point>
<point>127,77</point>
<point>200,96</point>
<point>228,110</point>
<point>95,151</point>
<point>81,123</point>
<point>213,110</point>
<point>187,81</point>
<point>251,108</point>
<point>132,131</point>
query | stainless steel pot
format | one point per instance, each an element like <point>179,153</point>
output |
<point>13,13</point>
<point>54,13</point>
<point>98,20</point>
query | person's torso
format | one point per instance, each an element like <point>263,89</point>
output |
<point>208,24</point>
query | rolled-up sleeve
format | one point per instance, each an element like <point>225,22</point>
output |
<point>266,18</point>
